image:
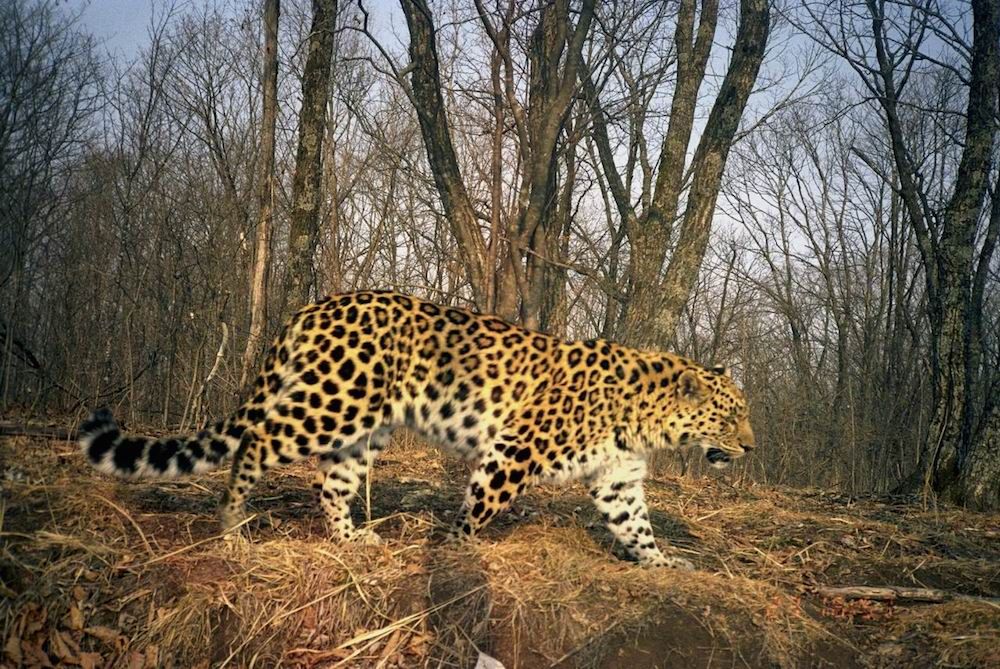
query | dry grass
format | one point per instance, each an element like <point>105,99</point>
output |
<point>100,573</point>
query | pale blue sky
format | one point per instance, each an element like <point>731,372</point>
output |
<point>120,25</point>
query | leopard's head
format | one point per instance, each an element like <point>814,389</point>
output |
<point>711,413</point>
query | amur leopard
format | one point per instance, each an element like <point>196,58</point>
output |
<point>523,406</point>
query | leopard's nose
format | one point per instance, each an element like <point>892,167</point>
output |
<point>746,447</point>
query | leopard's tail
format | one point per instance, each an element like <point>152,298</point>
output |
<point>111,452</point>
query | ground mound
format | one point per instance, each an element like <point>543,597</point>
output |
<point>103,573</point>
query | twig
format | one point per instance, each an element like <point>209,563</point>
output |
<point>21,430</point>
<point>406,620</point>
<point>142,535</point>
<point>218,356</point>
<point>203,392</point>
<point>184,549</point>
<point>98,399</point>
<point>892,593</point>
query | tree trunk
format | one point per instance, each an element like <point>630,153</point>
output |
<point>303,232</point>
<point>265,193</point>
<point>553,316</point>
<point>550,96</point>
<point>650,235</point>
<point>955,456</point>
<point>707,167</point>
<point>533,245</point>
<point>655,301</point>
<point>980,474</point>
<point>433,118</point>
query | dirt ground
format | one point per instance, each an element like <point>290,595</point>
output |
<point>102,573</point>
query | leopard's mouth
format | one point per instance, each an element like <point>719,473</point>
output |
<point>718,458</point>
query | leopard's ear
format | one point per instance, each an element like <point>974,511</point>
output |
<point>722,370</point>
<point>691,389</point>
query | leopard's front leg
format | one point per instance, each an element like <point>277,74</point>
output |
<point>493,486</point>
<point>618,495</point>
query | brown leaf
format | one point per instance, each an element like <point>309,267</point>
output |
<point>309,618</point>
<point>34,619</point>
<point>136,660</point>
<point>34,656</point>
<point>74,619</point>
<point>414,569</point>
<point>91,660</point>
<point>12,649</point>
<point>79,594</point>
<point>418,643</point>
<point>392,645</point>
<point>62,646</point>
<point>109,636</point>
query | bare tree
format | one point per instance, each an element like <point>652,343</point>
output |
<point>554,59</point>
<point>265,192</point>
<point>656,300</point>
<point>428,101</point>
<point>303,231</point>
<point>835,272</point>
<point>49,92</point>
<point>964,470</point>
<point>946,226</point>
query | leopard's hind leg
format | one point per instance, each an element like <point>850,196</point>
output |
<point>341,472</point>
<point>249,464</point>
<point>287,433</point>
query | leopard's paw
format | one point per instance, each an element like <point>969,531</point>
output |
<point>231,517</point>
<point>457,535</point>
<point>366,537</point>
<point>669,562</point>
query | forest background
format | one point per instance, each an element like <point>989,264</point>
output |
<point>804,191</point>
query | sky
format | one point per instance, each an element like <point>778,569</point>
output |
<point>120,25</point>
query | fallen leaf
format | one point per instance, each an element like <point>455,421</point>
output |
<point>152,657</point>
<point>414,569</point>
<point>34,655</point>
<point>309,618</point>
<point>391,645</point>
<point>418,644</point>
<point>34,619</point>
<point>74,619</point>
<point>62,646</point>
<point>90,660</point>
<point>12,649</point>
<point>106,634</point>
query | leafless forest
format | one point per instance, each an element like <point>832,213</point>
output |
<point>804,190</point>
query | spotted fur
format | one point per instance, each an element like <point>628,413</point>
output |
<point>524,406</point>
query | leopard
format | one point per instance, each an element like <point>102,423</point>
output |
<point>522,406</point>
